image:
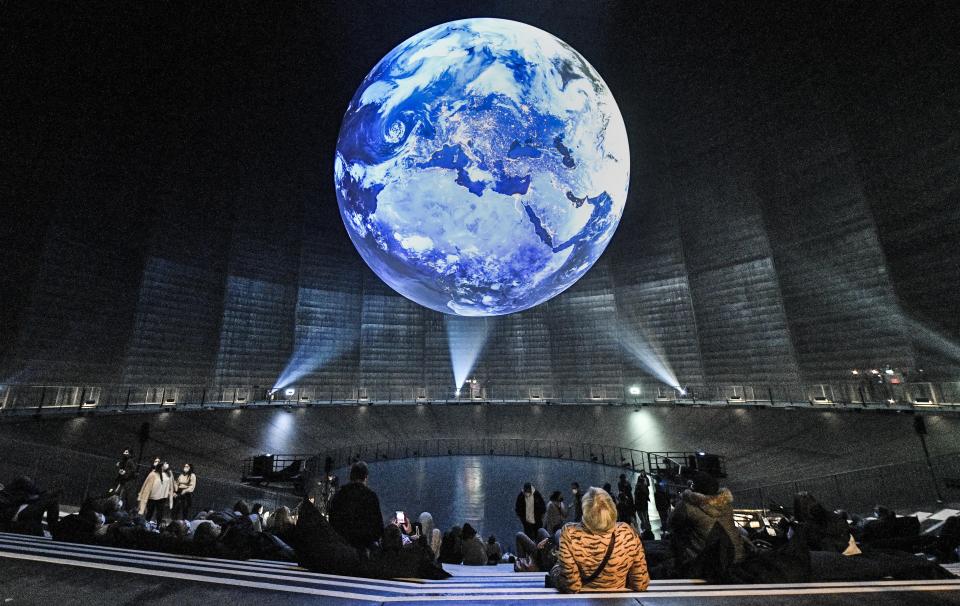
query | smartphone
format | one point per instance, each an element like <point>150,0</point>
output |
<point>401,520</point>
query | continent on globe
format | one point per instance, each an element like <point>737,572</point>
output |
<point>482,167</point>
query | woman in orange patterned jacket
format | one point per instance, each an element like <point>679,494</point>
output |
<point>600,554</point>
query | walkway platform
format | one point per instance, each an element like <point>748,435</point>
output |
<point>38,570</point>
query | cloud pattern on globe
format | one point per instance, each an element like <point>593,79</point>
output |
<point>482,167</point>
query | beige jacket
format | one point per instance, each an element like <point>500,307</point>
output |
<point>186,483</point>
<point>155,487</point>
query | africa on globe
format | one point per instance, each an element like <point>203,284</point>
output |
<point>482,167</point>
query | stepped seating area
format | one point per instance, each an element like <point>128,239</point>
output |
<point>38,566</point>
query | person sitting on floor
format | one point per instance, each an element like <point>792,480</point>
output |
<point>536,556</point>
<point>355,510</point>
<point>824,530</point>
<point>451,546</point>
<point>430,532</point>
<point>699,510</point>
<point>23,505</point>
<point>599,553</point>
<point>474,550</point>
<point>494,551</point>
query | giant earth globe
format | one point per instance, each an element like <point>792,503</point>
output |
<point>482,167</point>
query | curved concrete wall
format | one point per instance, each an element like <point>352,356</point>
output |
<point>792,211</point>
<point>761,445</point>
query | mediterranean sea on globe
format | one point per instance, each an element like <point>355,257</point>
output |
<point>482,167</point>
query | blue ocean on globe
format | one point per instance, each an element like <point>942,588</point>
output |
<point>482,167</point>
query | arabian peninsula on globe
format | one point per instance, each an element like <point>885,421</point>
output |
<point>482,167</point>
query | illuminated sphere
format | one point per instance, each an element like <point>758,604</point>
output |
<point>482,167</point>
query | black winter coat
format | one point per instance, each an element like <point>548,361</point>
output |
<point>539,508</point>
<point>695,516</point>
<point>355,515</point>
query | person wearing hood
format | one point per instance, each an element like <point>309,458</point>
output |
<point>700,509</point>
<point>430,532</point>
<point>474,550</point>
<point>125,486</point>
<point>530,508</point>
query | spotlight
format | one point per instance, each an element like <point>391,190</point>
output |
<point>681,391</point>
<point>874,372</point>
<point>634,390</point>
<point>891,401</point>
<point>855,371</point>
<point>289,391</point>
<point>889,371</point>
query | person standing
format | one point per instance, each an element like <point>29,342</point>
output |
<point>641,500</point>
<point>556,512</point>
<point>623,484</point>
<point>661,499</point>
<point>156,494</point>
<point>186,483</point>
<point>577,502</point>
<point>625,509</point>
<point>530,508</point>
<point>355,510</point>
<point>125,484</point>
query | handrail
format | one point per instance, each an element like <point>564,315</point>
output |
<point>343,456</point>
<point>53,398</point>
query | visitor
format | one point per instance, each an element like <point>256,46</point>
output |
<point>186,483</point>
<point>494,551</point>
<point>577,501</point>
<point>556,512</point>
<point>530,508</point>
<point>125,484</point>
<point>156,494</point>
<point>641,501</point>
<point>608,489</point>
<point>823,530</point>
<point>281,524</point>
<point>625,509</point>
<point>474,549</point>
<point>661,500</point>
<point>623,485</point>
<point>535,555</point>
<point>451,546</point>
<point>430,532</point>
<point>23,506</point>
<point>355,510</point>
<point>599,553</point>
<point>700,509</point>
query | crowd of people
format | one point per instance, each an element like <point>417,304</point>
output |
<point>596,542</point>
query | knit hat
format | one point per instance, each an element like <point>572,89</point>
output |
<point>705,483</point>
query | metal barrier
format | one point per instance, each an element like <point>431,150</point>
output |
<point>53,399</point>
<point>611,456</point>
<point>79,476</point>
<point>901,486</point>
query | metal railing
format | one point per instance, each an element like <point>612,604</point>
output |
<point>601,454</point>
<point>674,463</point>
<point>52,399</point>
<point>906,486</point>
<point>80,475</point>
